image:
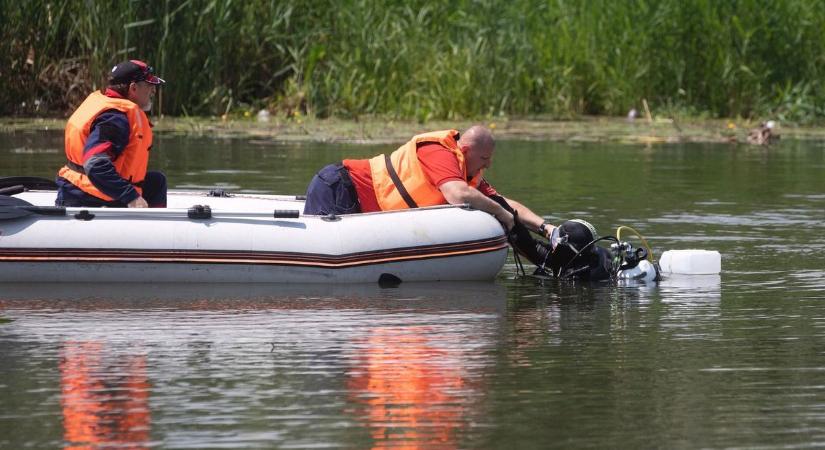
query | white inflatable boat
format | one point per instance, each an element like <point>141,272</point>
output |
<point>242,238</point>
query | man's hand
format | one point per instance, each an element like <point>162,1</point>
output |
<point>458,192</point>
<point>548,230</point>
<point>138,203</point>
<point>507,220</point>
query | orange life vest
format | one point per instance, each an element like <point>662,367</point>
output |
<point>130,164</point>
<point>415,188</point>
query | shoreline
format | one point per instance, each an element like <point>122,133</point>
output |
<point>377,130</point>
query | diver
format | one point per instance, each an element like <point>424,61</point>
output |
<point>572,252</point>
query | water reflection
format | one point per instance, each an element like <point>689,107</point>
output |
<point>104,397</point>
<point>438,296</point>
<point>408,387</point>
<point>277,365</point>
<point>678,288</point>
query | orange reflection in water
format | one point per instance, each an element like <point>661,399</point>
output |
<point>407,389</point>
<point>105,398</point>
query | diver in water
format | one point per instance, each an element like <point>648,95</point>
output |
<point>572,252</point>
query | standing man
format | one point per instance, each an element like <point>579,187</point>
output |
<point>431,169</point>
<point>108,139</point>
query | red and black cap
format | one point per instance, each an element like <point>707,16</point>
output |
<point>133,71</point>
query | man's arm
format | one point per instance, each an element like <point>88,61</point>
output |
<point>532,220</point>
<point>458,192</point>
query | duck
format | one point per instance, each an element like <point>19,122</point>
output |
<point>764,134</point>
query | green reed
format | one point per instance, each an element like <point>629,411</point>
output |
<point>426,59</point>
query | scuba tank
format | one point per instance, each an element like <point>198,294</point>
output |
<point>634,263</point>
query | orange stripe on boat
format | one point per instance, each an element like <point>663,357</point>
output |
<point>259,258</point>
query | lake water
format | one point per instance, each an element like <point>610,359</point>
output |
<point>730,361</point>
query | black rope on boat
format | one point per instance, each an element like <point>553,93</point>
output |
<point>519,265</point>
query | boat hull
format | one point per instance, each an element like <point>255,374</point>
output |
<point>428,244</point>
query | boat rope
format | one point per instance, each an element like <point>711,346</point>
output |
<point>519,265</point>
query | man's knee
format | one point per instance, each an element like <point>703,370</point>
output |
<point>157,179</point>
<point>319,197</point>
<point>331,192</point>
<point>154,189</point>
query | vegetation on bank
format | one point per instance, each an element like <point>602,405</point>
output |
<point>377,130</point>
<point>426,59</point>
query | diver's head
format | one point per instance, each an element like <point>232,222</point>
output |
<point>572,244</point>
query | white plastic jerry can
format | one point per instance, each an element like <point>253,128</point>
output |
<point>691,262</point>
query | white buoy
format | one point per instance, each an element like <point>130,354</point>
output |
<point>691,262</point>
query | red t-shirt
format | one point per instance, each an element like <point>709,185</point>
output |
<point>438,162</point>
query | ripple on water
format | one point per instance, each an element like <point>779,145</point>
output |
<point>780,218</point>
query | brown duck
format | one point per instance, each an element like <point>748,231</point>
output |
<point>764,134</point>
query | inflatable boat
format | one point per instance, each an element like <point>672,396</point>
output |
<point>215,237</point>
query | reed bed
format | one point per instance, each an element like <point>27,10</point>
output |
<point>426,59</point>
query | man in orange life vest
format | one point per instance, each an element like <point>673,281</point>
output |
<point>108,139</point>
<point>431,169</point>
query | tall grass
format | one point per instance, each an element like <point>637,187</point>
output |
<point>426,58</point>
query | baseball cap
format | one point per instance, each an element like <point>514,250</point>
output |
<point>133,71</point>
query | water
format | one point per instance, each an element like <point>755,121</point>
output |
<point>734,361</point>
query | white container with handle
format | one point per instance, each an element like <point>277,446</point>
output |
<point>691,262</point>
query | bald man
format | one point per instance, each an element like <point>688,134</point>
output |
<point>430,169</point>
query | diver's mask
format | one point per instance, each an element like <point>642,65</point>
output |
<point>555,239</point>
